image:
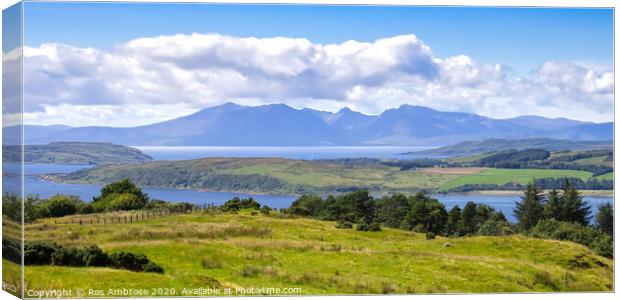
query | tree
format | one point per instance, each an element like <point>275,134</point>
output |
<point>554,206</point>
<point>60,205</point>
<point>605,219</point>
<point>454,218</point>
<point>307,205</point>
<point>112,190</point>
<point>574,208</point>
<point>529,210</point>
<point>392,210</point>
<point>124,201</point>
<point>468,219</point>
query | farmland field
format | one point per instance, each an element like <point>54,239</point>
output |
<point>287,176</point>
<point>243,250</point>
<point>502,176</point>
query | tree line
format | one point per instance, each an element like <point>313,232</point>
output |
<point>560,214</point>
<point>564,215</point>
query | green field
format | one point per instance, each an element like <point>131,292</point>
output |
<point>606,176</point>
<point>503,176</point>
<point>286,176</point>
<point>243,250</point>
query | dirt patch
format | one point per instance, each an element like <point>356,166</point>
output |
<point>452,171</point>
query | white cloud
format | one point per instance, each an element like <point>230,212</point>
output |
<point>168,76</point>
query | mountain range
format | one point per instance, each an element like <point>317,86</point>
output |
<point>281,125</point>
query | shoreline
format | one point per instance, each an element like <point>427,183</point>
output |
<point>591,193</point>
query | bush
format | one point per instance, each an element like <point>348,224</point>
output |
<point>67,256</point>
<point>39,253</point>
<point>124,201</point>
<point>265,210</point>
<point>430,236</point>
<point>587,236</point>
<point>342,224</point>
<point>11,250</point>
<point>365,226</point>
<point>152,267</point>
<point>109,198</point>
<point>94,256</point>
<point>86,209</point>
<point>496,228</point>
<point>137,262</point>
<point>60,205</point>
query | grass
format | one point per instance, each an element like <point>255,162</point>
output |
<point>503,176</point>
<point>606,176</point>
<point>597,160</point>
<point>243,250</point>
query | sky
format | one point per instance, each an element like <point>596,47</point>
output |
<point>121,64</point>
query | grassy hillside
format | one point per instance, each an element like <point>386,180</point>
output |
<point>263,175</point>
<point>74,153</point>
<point>286,176</point>
<point>243,250</point>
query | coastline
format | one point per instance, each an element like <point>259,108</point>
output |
<point>591,193</point>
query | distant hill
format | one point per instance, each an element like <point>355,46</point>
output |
<point>75,153</point>
<point>281,125</point>
<point>492,145</point>
<point>538,123</point>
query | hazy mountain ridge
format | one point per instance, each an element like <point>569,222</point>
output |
<point>281,125</point>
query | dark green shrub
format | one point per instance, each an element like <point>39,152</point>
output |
<point>94,256</point>
<point>365,226</point>
<point>307,205</point>
<point>342,224</point>
<point>39,253</point>
<point>67,256</point>
<point>235,204</point>
<point>151,267</point>
<point>60,205</point>
<point>125,201</point>
<point>265,210</point>
<point>137,262</point>
<point>574,232</point>
<point>603,245</point>
<point>250,203</point>
<point>430,236</point>
<point>86,209</point>
<point>496,228</point>
<point>11,250</point>
<point>111,191</point>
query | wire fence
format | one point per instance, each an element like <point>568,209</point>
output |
<point>126,217</point>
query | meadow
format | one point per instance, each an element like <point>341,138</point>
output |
<point>287,176</point>
<point>226,250</point>
<point>521,176</point>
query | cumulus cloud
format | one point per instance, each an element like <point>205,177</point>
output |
<point>157,78</point>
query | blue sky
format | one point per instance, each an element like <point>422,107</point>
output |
<point>519,38</point>
<point>100,63</point>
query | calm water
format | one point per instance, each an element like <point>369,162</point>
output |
<point>317,152</point>
<point>86,192</point>
<point>45,189</point>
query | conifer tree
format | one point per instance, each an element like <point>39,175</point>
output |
<point>468,219</point>
<point>605,219</point>
<point>529,210</point>
<point>454,218</point>
<point>554,206</point>
<point>575,209</point>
